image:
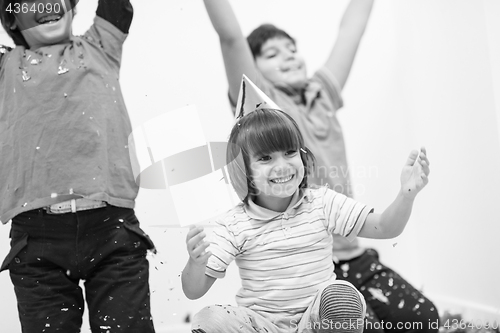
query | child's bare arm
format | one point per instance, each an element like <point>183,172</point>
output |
<point>117,12</point>
<point>393,220</point>
<point>238,59</point>
<point>352,28</point>
<point>195,283</point>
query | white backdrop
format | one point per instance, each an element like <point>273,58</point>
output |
<point>427,73</point>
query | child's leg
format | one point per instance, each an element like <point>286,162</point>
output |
<point>372,324</point>
<point>116,270</point>
<point>227,318</point>
<point>339,307</point>
<point>393,300</point>
<point>49,298</point>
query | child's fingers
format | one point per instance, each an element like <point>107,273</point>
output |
<point>423,150</point>
<point>200,254</point>
<point>425,179</point>
<point>425,167</point>
<point>199,251</point>
<point>195,240</point>
<point>410,161</point>
<point>423,157</point>
<point>193,231</point>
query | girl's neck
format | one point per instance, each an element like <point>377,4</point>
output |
<point>273,203</point>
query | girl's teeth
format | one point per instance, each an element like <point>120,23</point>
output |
<point>282,180</point>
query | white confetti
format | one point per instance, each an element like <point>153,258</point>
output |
<point>62,70</point>
<point>26,77</point>
<point>378,294</point>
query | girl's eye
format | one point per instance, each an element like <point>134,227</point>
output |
<point>264,158</point>
<point>291,152</point>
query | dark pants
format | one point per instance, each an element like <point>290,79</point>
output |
<point>105,247</point>
<point>391,301</point>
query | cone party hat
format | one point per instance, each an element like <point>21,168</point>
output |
<point>251,98</point>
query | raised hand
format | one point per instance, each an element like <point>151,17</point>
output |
<point>197,246</point>
<point>415,173</point>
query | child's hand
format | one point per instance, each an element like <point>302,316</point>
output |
<point>196,246</point>
<point>414,174</point>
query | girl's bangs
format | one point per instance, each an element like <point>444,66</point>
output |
<point>270,134</point>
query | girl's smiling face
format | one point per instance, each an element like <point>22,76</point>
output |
<point>275,177</point>
<point>43,22</point>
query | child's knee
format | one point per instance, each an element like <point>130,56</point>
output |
<point>343,306</point>
<point>211,318</point>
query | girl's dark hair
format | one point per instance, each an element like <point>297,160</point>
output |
<point>262,132</point>
<point>7,18</point>
<point>262,34</point>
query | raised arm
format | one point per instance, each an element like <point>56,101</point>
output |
<point>238,59</point>
<point>352,28</point>
<point>117,12</point>
<point>392,221</point>
<point>195,283</point>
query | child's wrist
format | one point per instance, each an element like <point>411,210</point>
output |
<point>195,264</point>
<point>408,194</point>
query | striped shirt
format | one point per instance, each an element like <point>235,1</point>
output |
<point>284,258</point>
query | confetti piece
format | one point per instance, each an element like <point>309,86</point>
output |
<point>26,77</point>
<point>379,295</point>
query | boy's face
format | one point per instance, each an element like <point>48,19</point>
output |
<point>43,22</point>
<point>280,63</point>
<point>276,176</point>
